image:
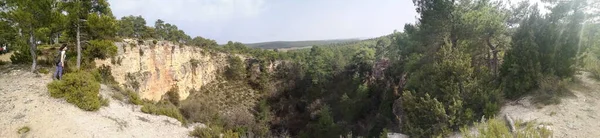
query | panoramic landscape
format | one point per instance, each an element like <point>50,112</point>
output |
<point>305,69</point>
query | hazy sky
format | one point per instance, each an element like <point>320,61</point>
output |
<point>251,21</point>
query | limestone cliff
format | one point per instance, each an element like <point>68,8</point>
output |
<point>153,69</point>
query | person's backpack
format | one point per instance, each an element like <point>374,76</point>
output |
<point>57,58</point>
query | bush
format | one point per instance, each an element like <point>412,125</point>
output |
<point>141,52</point>
<point>23,130</point>
<point>495,128</point>
<point>173,95</point>
<point>78,88</point>
<point>134,97</point>
<point>194,63</point>
<point>100,49</point>
<point>164,108</point>
<point>105,74</point>
<point>21,55</point>
<point>200,111</point>
<point>154,42</point>
<point>3,63</point>
<point>235,70</point>
<point>44,70</point>
<point>551,88</point>
<point>212,132</point>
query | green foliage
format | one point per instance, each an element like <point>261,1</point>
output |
<point>78,88</point>
<point>100,49</point>
<point>132,26</point>
<point>105,74</point>
<point>194,63</point>
<point>521,68</point>
<point>236,69</point>
<point>21,55</point>
<point>44,70</point>
<point>164,108</point>
<point>213,131</point>
<point>202,42</point>
<point>494,128</point>
<point>324,127</point>
<point>551,90</point>
<point>101,27</point>
<point>23,130</point>
<point>200,111</point>
<point>173,95</point>
<point>134,97</point>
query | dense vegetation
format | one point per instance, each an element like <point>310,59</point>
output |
<point>457,64</point>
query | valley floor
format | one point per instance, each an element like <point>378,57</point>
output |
<point>575,117</point>
<point>25,102</point>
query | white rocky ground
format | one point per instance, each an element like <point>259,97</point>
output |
<point>25,101</point>
<point>575,117</point>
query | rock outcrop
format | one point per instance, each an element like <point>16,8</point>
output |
<point>153,69</point>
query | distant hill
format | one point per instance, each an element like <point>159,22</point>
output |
<point>297,44</point>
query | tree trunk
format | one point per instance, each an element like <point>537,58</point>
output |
<point>494,62</point>
<point>78,48</point>
<point>32,48</point>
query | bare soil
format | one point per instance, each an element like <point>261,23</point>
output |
<point>25,101</point>
<point>575,117</point>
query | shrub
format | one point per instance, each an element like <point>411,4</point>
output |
<point>212,132</point>
<point>495,128</point>
<point>551,88</point>
<point>44,70</point>
<point>100,49</point>
<point>105,74</point>
<point>3,63</point>
<point>23,130</point>
<point>200,111</point>
<point>78,88</point>
<point>22,54</point>
<point>140,42</point>
<point>132,45</point>
<point>134,97</point>
<point>194,63</point>
<point>173,95</point>
<point>235,70</point>
<point>154,42</point>
<point>163,108</point>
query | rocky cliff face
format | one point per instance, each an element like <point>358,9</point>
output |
<point>153,69</point>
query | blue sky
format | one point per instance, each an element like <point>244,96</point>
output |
<point>251,21</point>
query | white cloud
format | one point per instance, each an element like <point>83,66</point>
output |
<point>188,10</point>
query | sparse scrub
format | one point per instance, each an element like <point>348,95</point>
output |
<point>550,90</point>
<point>214,131</point>
<point>78,88</point>
<point>164,108</point>
<point>105,74</point>
<point>44,70</point>
<point>200,111</point>
<point>134,97</point>
<point>496,128</point>
<point>209,132</point>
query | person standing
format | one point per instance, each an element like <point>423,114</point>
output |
<point>60,62</point>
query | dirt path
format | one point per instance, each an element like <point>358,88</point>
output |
<point>24,101</point>
<point>574,117</point>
